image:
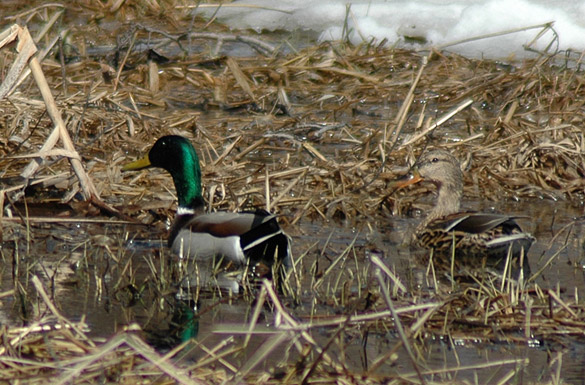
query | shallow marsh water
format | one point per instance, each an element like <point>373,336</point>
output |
<point>95,272</point>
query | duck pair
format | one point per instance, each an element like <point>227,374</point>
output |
<point>486,240</point>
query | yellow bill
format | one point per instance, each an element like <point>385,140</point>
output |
<point>137,164</point>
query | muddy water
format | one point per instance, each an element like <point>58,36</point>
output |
<point>111,279</point>
<point>100,273</point>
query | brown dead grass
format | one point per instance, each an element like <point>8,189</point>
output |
<point>313,134</point>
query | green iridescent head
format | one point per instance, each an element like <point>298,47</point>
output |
<point>176,155</point>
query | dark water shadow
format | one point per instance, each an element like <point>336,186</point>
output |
<point>99,273</point>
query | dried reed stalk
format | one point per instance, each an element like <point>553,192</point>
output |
<point>313,146</point>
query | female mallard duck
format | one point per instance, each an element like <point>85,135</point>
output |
<point>480,239</point>
<point>236,237</point>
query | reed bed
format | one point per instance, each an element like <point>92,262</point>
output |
<point>313,134</point>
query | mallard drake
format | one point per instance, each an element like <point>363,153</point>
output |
<point>480,239</point>
<point>236,237</point>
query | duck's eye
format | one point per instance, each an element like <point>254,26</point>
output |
<point>435,160</point>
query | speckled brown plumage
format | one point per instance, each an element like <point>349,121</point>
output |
<point>480,239</point>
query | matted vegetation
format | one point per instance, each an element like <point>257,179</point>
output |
<point>313,134</point>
